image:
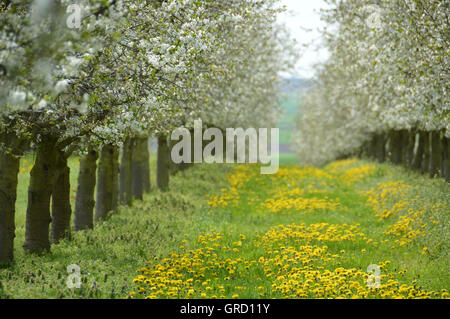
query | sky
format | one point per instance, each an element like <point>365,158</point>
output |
<point>303,21</point>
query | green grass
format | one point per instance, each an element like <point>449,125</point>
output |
<point>110,255</point>
<point>288,158</point>
<point>249,219</point>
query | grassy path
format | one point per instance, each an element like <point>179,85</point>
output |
<point>229,232</point>
<point>312,233</point>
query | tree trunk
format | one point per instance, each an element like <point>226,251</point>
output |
<point>146,165</point>
<point>372,147</point>
<point>85,202</point>
<point>174,167</point>
<point>359,152</point>
<point>418,156</point>
<point>426,153</point>
<point>107,186</point>
<point>125,185</point>
<point>380,148</point>
<point>401,147</point>
<point>163,162</point>
<point>9,168</point>
<point>366,150</point>
<point>404,147</point>
<point>43,176</point>
<point>61,209</point>
<point>446,159</point>
<point>115,179</point>
<point>395,147</point>
<point>409,147</point>
<point>436,153</point>
<point>139,167</point>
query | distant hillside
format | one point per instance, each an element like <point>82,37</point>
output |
<point>295,84</point>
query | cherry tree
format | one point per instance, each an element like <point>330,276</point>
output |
<point>100,77</point>
<point>384,86</point>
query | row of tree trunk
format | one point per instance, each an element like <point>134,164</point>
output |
<point>427,152</point>
<point>101,188</point>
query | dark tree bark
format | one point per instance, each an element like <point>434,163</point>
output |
<point>43,176</point>
<point>436,153</point>
<point>365,150</point>
<point>146,165</point>
<point>125,185</point>
<point>446,158</point>
<point>174,167</point>
<point>425,168</point>
<point>107,185</point>
<point>9,168</point>
<point>395,149</point>
<point>163,162</point>
<point>379,145</point>
<point>390,142</point>
<point>372,147</point>
<point>61,209</point>
<point>139,167</point>
<point>410,146</point>
<point>115,179</point>
<point>404,147</point>
<point>359,153</point>
<point>418,156</point>
<point>85,202</point>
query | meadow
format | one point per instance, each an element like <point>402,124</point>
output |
<point>304,232</point>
